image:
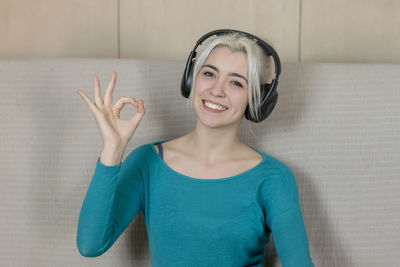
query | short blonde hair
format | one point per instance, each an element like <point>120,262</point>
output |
<point>256,61</point>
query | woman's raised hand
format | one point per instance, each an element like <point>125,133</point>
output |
<point>115,131</point>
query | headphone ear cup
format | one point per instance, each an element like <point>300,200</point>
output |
<point>269,98</point>
<point>266,110</point>
<point>186,82</point>
<point>188,85</point>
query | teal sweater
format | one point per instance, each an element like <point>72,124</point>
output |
<point>192,221</point>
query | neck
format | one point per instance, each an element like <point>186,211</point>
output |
<point>213,145</point>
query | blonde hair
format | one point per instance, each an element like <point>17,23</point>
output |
<point>256,61</point>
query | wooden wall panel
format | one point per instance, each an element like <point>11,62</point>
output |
<point>49,28</point>
<point>169,29</point>
<point>300,30</point>
<point>350,31</point>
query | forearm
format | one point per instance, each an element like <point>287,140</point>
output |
<point>96,211</point>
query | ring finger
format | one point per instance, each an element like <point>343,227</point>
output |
<point>97,92</point>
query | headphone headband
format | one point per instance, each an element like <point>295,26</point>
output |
<point>269,50</point>
<point>269,94</point>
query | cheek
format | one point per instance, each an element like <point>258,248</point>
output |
<point>239,101</point>
<point>198,84</point>
<point>201,86</point>
<point>244,99</point>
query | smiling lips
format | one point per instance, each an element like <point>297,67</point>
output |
<point>213,107</point>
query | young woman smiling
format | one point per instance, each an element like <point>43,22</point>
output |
<point>207,197</point>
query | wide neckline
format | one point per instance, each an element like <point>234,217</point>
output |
<point>234,177</point>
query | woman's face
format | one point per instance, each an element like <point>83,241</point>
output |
<point>222,80</point>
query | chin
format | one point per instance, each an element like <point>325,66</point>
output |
<point>215,122</point>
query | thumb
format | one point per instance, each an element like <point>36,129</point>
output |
<point>139,113</point>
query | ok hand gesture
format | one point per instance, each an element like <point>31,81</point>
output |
<point>115,130</point>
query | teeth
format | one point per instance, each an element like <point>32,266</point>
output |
<point>213,106</point>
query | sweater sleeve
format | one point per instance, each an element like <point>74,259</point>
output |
<point>285,220</point>
<point>114,197</point>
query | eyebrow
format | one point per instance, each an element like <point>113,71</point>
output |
<point>231,74</point>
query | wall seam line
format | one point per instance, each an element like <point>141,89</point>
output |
<point>118,30</point>
<point>300,28</point>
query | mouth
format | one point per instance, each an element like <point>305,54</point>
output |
<point>211,107</point>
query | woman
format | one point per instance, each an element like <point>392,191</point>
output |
<point>208,198</point>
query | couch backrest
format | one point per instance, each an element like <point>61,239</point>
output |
<point>335,125</point>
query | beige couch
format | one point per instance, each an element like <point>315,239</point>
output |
<point>336,126</point>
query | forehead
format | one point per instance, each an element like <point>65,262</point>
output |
<point>227,60</point>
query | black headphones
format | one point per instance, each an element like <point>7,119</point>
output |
<point>269,93</point>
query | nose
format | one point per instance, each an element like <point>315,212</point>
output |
<point>218,88</point>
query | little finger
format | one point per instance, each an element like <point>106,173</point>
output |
<point>88,101</point>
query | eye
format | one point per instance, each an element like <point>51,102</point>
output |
<point>238,84</point>
<point>208,74</point>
